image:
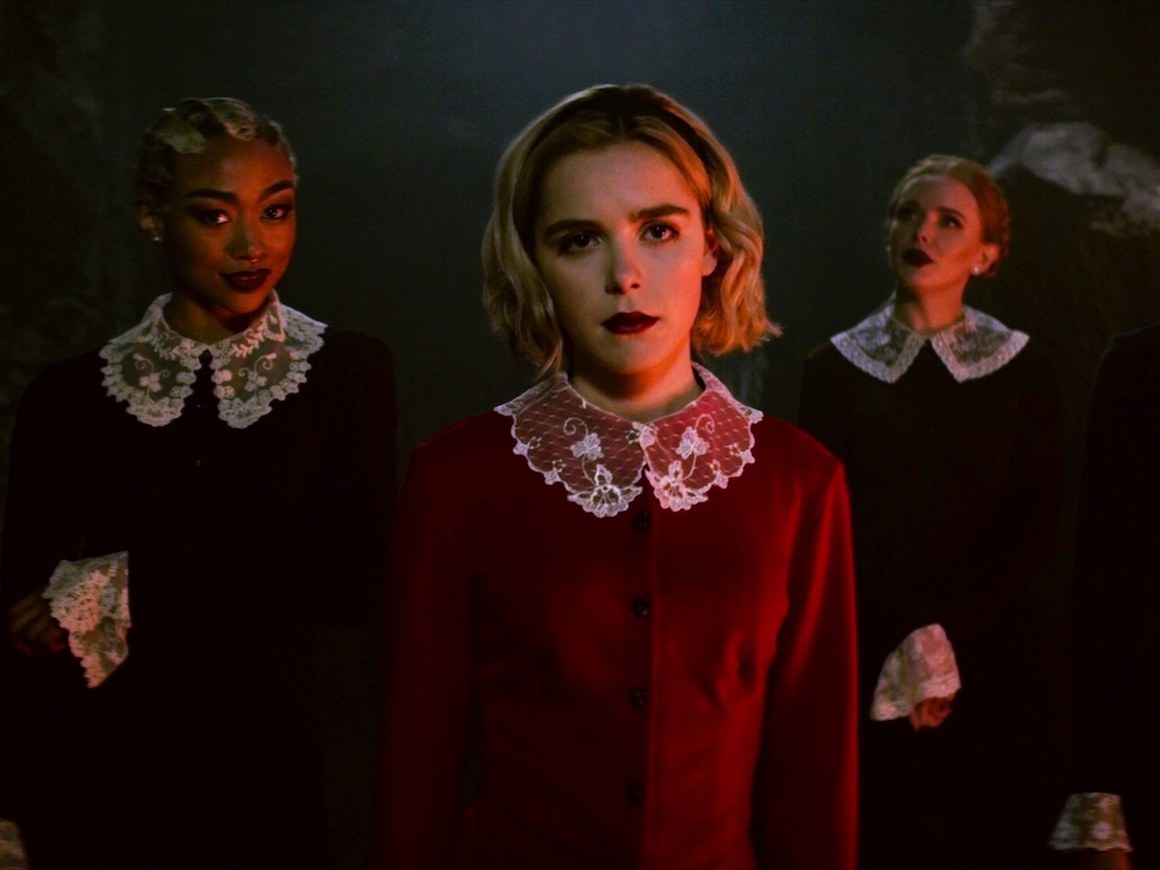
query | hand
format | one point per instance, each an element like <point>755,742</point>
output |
<point>32,627</point>
<point>930,712</point>
<point>1110,859</point>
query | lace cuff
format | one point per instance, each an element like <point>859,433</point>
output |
<point>12,856</point>
<point>90,599</point>
<point>1091,820</point>
<point>923,666</point>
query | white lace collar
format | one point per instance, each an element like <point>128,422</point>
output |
<point>974,346</point>
<point>598,456</point>
<point>153,368</point>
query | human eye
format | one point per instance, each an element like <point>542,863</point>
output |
<point>953,221</point>
<point>905,213</point>
<point>576,243</point>
<point>278,212</point>
<point>660,232</point>
<point>211,217</point>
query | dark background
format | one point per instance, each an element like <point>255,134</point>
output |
<point>399,110</point>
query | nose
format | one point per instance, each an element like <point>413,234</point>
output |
<point>246,242</point>
<point>624,272</point>
<point>924,228</point>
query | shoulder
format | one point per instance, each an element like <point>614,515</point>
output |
<point>1129,372</point>
<point>1135,348</point>
<point>787,450</point>
<point>353,350</point>
<point>826,363</point>
<point>473,443</point>
<point>66,380</point>
<point>825,354</point>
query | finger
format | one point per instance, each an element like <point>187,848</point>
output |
<point>19,617</point>
<point>40,629</point>
<point>21,647</point>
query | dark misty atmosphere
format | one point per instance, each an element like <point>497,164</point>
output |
<point>398,112</point>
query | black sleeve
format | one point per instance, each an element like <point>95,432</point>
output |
<point>42,517</point>
<point>820,405</point>
<point>355,511</point>
<point>998,568</point>
<point>1116,589</point>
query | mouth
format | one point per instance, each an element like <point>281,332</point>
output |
<point>629,323</point>
<point>916,257</point>
<point>247,282</point>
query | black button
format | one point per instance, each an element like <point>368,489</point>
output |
<point>642,521</point>
<point>638,697</point>
<point>642,606</point>
<point>635,793</point>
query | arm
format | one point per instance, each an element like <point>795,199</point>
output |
<point>996,568</point>
<point>359,493</point>
<point>427,684</point>
<point>806,790</point>
<point>1115,576</point>
<point>819,409</point>
<point>42,522</point>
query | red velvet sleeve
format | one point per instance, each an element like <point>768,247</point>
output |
<point>806,790</point>
<point>427,675</point>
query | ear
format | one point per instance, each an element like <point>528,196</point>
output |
<point>712,250</point>
<point>149,220</point>
<point>988,254</point>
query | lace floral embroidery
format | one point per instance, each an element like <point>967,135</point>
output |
<point>1092,820</point>
<point>923,666</point>
<point>153,369</point>
<point>974,347</point>
<point>598,456</point>
<point>12,855</point>
<point>90,600</point>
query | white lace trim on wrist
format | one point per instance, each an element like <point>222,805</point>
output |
<point>1091,820</point>
<point>12,855</point>
<point>973,347</point>
<point>153,368</point>
<point>90,600</point>
<point>598,456</point>
<point>923,666</point>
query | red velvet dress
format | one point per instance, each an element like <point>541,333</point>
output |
<point>653,688</point>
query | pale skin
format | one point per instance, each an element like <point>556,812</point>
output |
<point>935,246</point>
<point>939,217</point>
<point>229,211</point>
<point>622,246</point>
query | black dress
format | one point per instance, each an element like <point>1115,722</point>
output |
<point>1117,709</point>
<point>202,749</point>
<point>955,488</point>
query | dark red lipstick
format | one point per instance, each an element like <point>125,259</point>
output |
<point>629,322</point>
<point>916,257</point>
<point>249,281</point>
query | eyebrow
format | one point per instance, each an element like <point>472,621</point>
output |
<point>227,196</point>
<point>942,209</point>
<point>655,211</point>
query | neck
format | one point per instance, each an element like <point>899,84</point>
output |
<point>929,312</point>
<point>640,398</point>
<point>208,325</point>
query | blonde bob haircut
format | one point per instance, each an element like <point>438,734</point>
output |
<point>994,215</point>
<point>732,314</point>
